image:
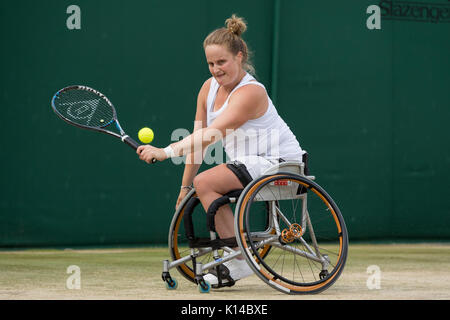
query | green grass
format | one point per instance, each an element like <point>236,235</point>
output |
<point>408,271</point>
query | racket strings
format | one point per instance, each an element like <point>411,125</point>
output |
<point>84,107</point>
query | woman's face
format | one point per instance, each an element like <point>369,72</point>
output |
<point>224,66</point>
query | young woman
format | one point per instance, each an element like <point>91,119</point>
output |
<point>234,107</point>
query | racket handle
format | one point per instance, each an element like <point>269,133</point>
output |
<point>129,141</point>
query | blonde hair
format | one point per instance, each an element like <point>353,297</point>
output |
<point>230,37</point>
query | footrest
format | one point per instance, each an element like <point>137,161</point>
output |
<point>222,273</point>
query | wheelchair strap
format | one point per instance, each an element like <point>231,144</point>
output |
<point>214,244</point>
<point>195,242</point>
<point>216,204</point>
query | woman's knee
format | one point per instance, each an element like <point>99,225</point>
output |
<point>219,179</point>
<point>207,181</point>
<point>201,183</point>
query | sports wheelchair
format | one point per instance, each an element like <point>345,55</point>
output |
<point>290,231</point>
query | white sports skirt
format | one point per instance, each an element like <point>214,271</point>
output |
<point>256,165</point>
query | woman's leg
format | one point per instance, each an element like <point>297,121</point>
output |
<point>212,184</point>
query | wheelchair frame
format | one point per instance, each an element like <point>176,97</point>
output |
<point>267,238</point>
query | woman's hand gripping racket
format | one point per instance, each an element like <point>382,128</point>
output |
<point>87,108</point>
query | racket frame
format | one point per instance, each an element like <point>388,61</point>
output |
<point>121,135</point>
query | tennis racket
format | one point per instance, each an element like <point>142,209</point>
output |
<point>87,108</point>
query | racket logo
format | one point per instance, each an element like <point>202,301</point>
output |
<point>82,110</point>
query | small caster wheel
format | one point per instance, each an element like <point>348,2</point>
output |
<point>171,284</point>
<point>204,286</point>
<point>323,274</point>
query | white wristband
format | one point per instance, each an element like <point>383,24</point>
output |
<point>169,151</point>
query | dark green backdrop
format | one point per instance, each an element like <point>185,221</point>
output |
<point>370,106</point>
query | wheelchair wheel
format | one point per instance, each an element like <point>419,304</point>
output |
<point>306,232</point>
<point>179,246</point>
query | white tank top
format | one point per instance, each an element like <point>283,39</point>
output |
<point>267,136</point>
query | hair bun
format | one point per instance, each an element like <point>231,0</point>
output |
<point>236,25</point>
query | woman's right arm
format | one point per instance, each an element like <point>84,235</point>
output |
<point>195,159</point>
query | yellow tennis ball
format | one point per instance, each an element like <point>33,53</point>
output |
<point>146,135</point>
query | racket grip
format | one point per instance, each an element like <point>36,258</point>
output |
<point>129,141</point>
